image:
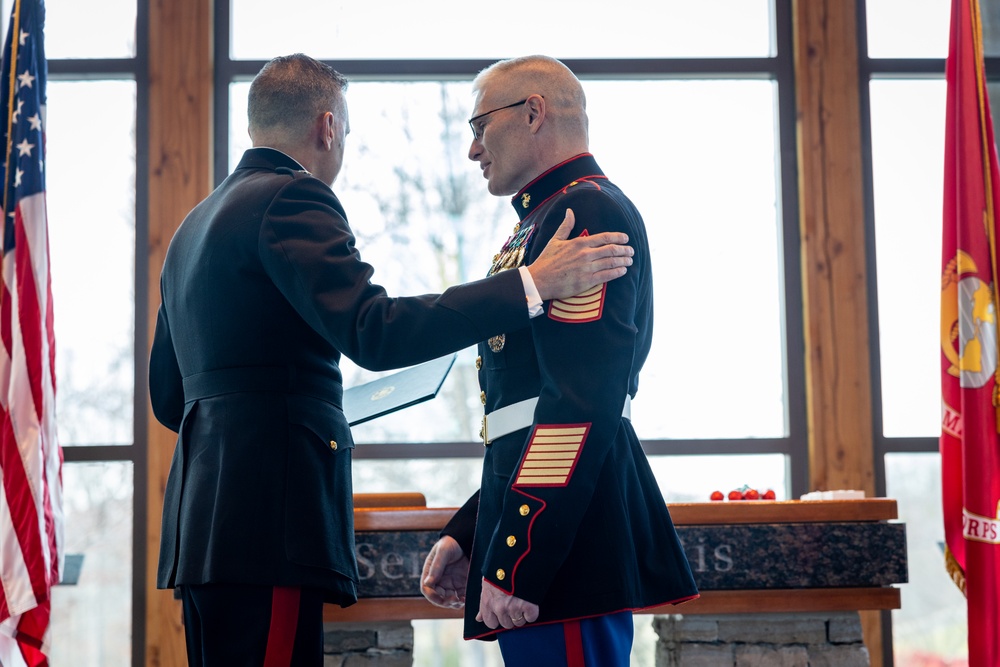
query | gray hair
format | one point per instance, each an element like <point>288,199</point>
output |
<point>543,75</point>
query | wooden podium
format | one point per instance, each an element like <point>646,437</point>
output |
<point>747,556</point>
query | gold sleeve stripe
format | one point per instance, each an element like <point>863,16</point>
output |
<point>579,308</point>
<point>585,297</point>
<point>552,455</point>
<point>586,307</point>
<point>548,463</point>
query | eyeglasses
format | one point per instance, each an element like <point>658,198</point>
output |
<point>478,133</point>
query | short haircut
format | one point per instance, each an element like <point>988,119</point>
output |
<point>291,91</point>
<point>543,75</point>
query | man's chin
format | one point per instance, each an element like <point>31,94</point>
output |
<point>498,190</point>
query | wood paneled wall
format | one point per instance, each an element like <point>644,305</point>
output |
<point>180,175</point>
<point>834,275</point>
<point>833,246</point>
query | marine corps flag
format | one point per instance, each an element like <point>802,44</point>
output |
<point>970,444</point>
<point>31,515</point>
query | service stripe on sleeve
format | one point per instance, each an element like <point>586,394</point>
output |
<point>552,454</point>
<point>586,307</point>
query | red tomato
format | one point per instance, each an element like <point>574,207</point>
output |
<point>751,494</point>
<point>736,495</point>
<point>717,495</point>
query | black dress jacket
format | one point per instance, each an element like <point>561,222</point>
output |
<point>570,516</point>
<point>262,290</point>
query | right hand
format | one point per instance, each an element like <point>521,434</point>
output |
<point>445,575</point>
<point>568,267</point>
<point>497,607</point>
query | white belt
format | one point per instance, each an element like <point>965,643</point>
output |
<point>520,415</point>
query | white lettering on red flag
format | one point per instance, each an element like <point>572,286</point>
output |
<point>980,528</point>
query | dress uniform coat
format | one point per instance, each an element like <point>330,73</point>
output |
<point>262,290</point>
<point>570,516</point>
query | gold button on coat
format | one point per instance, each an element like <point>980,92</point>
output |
<point>511,540</point>
<point>482,397</point>
<point>333,445</point>
<point>479,363</point>
<point>501,574</point>
<point>524,509</point>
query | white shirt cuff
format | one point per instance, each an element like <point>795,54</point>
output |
<point>530,292</point>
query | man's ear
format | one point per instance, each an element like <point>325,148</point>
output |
<point>326,123</point>
<point>536,112</point>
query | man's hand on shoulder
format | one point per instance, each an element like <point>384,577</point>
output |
<point>568,267</point>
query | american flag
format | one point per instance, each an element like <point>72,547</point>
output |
<point>31,516</point>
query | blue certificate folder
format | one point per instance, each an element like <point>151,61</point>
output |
<point>397,391</point>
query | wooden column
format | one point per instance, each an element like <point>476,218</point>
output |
<point>180,175</point>
<point>833,255</point>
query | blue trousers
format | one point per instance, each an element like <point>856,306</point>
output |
<point>602,641</point>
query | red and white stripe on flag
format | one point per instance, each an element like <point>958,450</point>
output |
<point>31,516</point>
<point>970,444</point>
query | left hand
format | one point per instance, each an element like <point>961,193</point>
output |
<point>496,608</point>
<point>567,267</point>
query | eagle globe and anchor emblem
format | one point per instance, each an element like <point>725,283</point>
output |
<point>968,318</point>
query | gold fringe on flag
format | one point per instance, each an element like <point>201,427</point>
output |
<point>955,570</point>
<point>11,105</point>
<point>11,99</point>
<point>989,217</point>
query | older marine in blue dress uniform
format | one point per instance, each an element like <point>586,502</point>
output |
<point>569,514</point>
<point>569,532</point>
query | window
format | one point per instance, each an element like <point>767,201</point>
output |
<point>450,29</point>
<point>702,165</point>
<point>930,628</point>
<point>91,204</point>
<point>92,248</point>
<point>907,126</point>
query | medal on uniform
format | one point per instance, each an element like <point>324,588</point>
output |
<point>511,256</point>
<point>496,342</point>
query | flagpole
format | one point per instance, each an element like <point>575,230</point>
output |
<point>989,215</point>
<point>14,42</point>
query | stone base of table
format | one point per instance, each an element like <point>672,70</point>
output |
<point>388,644</point>
<point>828,639</point>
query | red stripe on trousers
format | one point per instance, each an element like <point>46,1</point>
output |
<point>574,644</point>
<point>284,620</point>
